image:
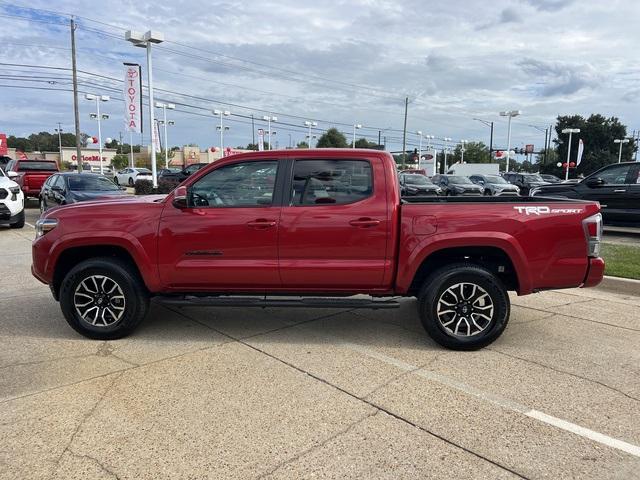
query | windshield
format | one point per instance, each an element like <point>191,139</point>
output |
<point>458,179</point>
<point>416,179</point>
<point>533,177</point>
<point>2,173</point>
<point>495,179</point>
<point>90,183</point>
<point>47,166</point>
<point>144,170</point>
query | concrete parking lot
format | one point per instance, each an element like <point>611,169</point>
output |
<point>239,393</point>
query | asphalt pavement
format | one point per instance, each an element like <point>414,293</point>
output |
<point>275,393</point>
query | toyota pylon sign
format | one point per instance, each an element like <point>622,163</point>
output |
<point>3,144</point>
<point>132,98</point>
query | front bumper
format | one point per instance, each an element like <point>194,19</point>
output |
<point>10,208</point>
<point>595,273</point>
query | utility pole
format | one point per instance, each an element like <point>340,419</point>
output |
<point>120,144</point>
<point>491,143</point>
<point>404,133</point>
<point>75,95</point>
<point>544,150</point>
<point>379,135</point>
<point>253,131</point>
<point>59,130</point>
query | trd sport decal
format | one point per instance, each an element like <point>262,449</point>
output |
<point>544,210</point>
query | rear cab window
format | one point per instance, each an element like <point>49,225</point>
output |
<point>331,182</point>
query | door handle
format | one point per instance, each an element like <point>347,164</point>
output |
<point>622,190</point>
<point>364,222</point>
<point>261,223</point>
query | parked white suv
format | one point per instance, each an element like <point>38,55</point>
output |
<point>11,202</point>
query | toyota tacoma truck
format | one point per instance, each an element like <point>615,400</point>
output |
<point>31,174</point>
<point>313,228</point>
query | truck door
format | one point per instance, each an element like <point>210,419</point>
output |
<point>334,228</point>
<point>227,236</point>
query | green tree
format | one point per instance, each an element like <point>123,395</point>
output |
<point>302,144</point>
<point>364,143</point>
<point>597,133</point>
<point>474,152</point>
<point>120,161</point>
<point>332,138</point>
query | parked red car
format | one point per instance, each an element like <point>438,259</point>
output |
<point>31,174</point>
<point>313,227</point>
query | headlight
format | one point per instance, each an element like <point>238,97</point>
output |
<point>45,225</point>
<point>14,190</point>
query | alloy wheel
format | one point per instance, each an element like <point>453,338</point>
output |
<point>99,301</point>
<point>465,309</point>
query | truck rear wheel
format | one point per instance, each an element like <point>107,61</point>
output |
<point>464,307</point>
<point>103,299</point>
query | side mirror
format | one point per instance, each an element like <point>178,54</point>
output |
<point>180,197</point>
<point>594,182</point>
<point>11,174</point>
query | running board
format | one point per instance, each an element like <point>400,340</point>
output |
<point>263,302</point>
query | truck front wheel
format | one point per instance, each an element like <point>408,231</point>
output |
<point>103,298</point>
<point>464,307</point>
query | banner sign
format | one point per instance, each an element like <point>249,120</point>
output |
<point>132,98</point>
<point>3,144</point>
<point>156,137</point>
<point>261,139</point>
<point>580,152</point>
<point>426,161</point>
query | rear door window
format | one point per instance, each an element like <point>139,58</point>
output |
<point>337,182</point>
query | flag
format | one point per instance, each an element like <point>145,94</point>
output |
<point>132,98</point>
<point>580,151</point>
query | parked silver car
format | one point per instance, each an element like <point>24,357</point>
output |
<point>495,185</point>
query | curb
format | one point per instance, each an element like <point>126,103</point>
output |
<point>624,286</point>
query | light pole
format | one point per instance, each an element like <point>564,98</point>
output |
<point>221,127</point>
<point>269,119</point>
<point>510,114</point>
<point>356,126</point>
<point>97,116</point>
<point>570,131</point>
<point>145,41</point>
<point>462,145</point>
<point>310,124</point>
<point>446,149</point>
<point>620,141</point>
<point>490,125</point>
<point>59,131</point>
<point>164,107</point>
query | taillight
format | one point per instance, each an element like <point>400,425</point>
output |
<point>593,233</point>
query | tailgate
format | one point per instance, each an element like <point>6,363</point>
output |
<point>34,180</point>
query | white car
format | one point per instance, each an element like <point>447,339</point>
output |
<point>11,202</point>
<point>128,176</point>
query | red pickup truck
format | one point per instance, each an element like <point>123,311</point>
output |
<point>31,174</point>
<point>313,228</point>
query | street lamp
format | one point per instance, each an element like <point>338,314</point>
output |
<point>419,133</point>
<point>221,127</point>
<point>145,41</point>
<point>356,126</point>
<point>164,107</point>
<point>462,145</point>
<point>269,119</point>
<point>510,114</point>
<point>570,131</point>
<point>59,132</point>
<point>620,141</point>
<point>446,149</point>
<point>97,116</point>
<point>310,124</point>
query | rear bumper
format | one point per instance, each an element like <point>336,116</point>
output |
<point>595,272</point>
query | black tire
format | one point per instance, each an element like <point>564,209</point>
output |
<point>130,182</point>
<point>436,289</point>
<point>115,180</point>
<point>19,223</point>
<point>136,299</point>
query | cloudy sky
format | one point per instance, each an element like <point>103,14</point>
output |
<point>334,62</point>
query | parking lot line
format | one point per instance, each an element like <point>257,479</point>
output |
<point>500,401</point>
<point>27,223</point>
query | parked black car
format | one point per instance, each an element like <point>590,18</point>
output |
<point>179,177</point>
<point>414,184</point>
<point>4,160</point>
<point>616,187</point>
<point>525,181</point>
<point>494,185</point>
<point>457,185</point>
<point>65,188</point>
<point>550,178</point>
